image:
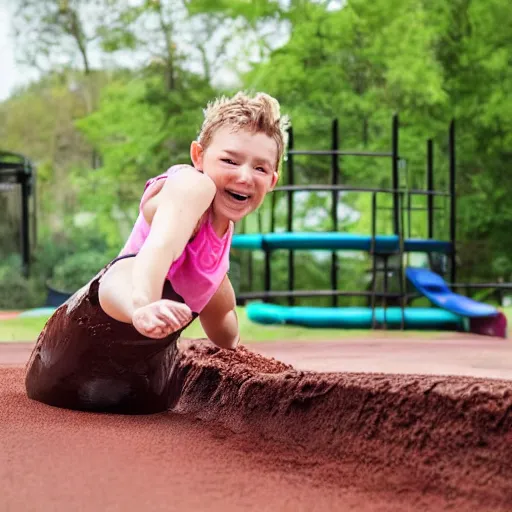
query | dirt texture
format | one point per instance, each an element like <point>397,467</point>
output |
<point>249,432</point>
<point>448,434</point>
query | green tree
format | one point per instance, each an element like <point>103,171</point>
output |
<point>357,61</point>
<point>475,49</point>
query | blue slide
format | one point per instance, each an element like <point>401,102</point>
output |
<point>432,286</point>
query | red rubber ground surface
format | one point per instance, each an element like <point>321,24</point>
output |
<point>261,441</point>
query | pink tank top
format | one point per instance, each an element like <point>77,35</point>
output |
<point>198,272</point>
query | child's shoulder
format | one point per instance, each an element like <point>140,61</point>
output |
<point>180,175</point>
<point>189,178</point>
<point>172,171</point>
<point>180,183</point>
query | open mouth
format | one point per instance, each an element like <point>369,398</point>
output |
<point>238,197</point>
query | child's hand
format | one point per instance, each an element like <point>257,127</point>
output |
<point>161,318</point>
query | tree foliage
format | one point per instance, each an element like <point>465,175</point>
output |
<point>128,81</point>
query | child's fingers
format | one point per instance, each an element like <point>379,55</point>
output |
<point>176,315</point>
<point>159,332</point>
<point>147,328</point>
<point>169,317</point>
<point>160,319</point>
<point>150,321</point>
<point>176,306</point>
<point>156,333</point>
<point>183,316</point>
<point>145,325</point>
<point>185,312</point>
<point>156,322</point>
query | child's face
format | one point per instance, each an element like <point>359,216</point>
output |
<point>242,165</point>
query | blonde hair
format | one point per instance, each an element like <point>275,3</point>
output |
<point>259,114</point>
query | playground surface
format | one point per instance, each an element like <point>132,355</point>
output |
<point>366,424</point>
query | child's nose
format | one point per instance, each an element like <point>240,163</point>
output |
<point>245,173</point>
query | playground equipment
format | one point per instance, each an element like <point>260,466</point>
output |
<point>484,319</point>
<point>451,311</point>
<point>17,198</point>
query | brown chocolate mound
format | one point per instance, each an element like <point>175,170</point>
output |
<point>449,433</point>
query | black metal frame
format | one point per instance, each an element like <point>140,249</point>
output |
<point>453,202</point>
<point>334,188</point>
<point>15,168</point>
<point>402,203</point>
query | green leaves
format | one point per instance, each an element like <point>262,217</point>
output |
<point>251,10</point>
<point>357,61</point>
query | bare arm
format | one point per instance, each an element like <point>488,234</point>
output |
<point>219,319</point>
<point>178,207</point>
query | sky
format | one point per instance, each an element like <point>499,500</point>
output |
<point>10,74</point>
<point>13,74</point>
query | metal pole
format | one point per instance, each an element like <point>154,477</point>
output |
<point>374,260</point>
<point>289,223</point>
<point>403,291</point>
<point>273,212</point>
<point>267,272</point>
<point>453,201</point>
<point>409,216</point>
<point>34,205</point>
<point>430,187</point>
<point>25,227</point>
<point>250,270</point>
<point>334,210</point>
<point>394,158</point>
<point>249,260</point>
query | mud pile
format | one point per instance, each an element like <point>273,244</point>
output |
<point>450,434</point>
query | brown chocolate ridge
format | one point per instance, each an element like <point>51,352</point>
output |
<point>442,433</point>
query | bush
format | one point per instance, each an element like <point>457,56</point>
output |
<point>47,256</point>
<point>54,248</point>
<point>77,270</point>
<point>16,291</point>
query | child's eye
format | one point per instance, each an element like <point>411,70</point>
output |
<point>262,169</point>
<point>228,161</point>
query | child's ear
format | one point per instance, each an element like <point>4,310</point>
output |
<point>275,179</point>
<point>197,155</point>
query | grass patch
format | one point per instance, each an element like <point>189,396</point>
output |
<point>21,329</point>
<point>27,329</point>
